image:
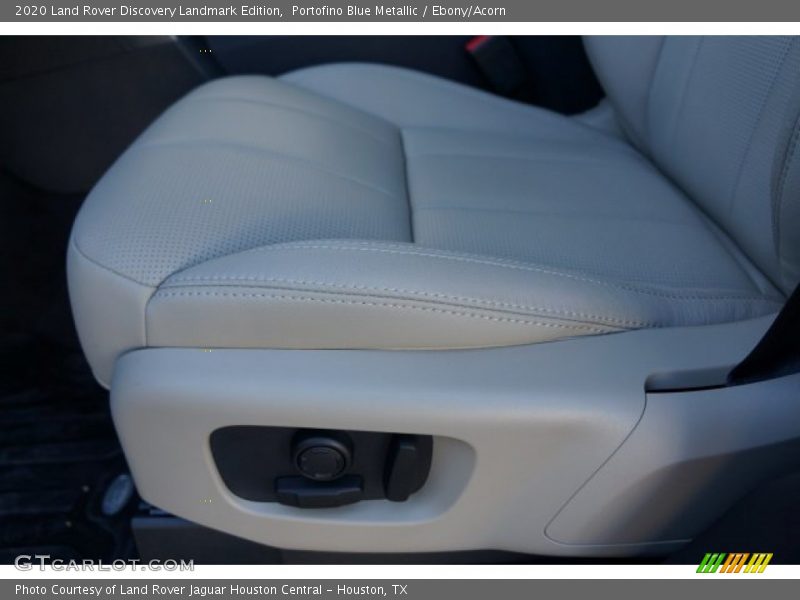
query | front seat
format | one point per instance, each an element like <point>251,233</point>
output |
<point>254,256</point>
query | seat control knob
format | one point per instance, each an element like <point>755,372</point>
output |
<point>321,458</point>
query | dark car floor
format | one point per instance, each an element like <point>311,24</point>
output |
<point>59,452</point>
<point>58,449</point>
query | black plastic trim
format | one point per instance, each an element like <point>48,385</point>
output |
<point>778,352</point>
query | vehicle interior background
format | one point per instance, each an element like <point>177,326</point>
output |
<point>68,109</point>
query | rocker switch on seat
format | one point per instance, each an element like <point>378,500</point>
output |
<point>407,466</point>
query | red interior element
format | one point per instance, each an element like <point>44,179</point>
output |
<point>476,42</point>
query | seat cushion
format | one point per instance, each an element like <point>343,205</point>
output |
<point>358,206</point>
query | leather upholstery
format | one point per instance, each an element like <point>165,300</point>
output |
<point>721,117</point>
<point>360,206</point>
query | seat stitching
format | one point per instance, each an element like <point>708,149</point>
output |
<point>445,86</point>
<point>109,269</point>
<point>211,279</point>
<point>164,294</point>
<point>307,113</point>
<point>407,184</point>
<point>257,149</point>
<point>600,141</point>
<point>748,147</point>
<point>650,85</point>
<point>546,214</point>
<point>685,84</point>
<point>514,266</point>
<point>520,108</point>
<point>794,143</point>
<point>603,162</point>
<point>97,264</point>
<point>730,248</point>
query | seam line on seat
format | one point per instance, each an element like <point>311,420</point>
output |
<point>506,157</point>
<point>407,182</point>
<point>256,149</point>
<point>764,102</point>
<point>644,135</point>
<point>153,289</point>
<point>109,269</point>
<point>546,214</point>
<point>597,140</point>
<point>514,266</point>
<point>164,294</point>
<point>685,84</point>
<point>447,86</point>
<point>794,143</point>
<point>300,111</point>
<point>434,295</point>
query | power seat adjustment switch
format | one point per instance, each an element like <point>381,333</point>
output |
<point>331,476</point>
<point>320,468</point>
<point>321,458</point>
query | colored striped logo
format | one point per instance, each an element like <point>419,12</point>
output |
<point>736,562</point>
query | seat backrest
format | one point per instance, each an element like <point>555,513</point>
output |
<point>721,117</point>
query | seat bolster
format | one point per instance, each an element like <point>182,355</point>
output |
<point>362,294</point>
<point>108,309</point>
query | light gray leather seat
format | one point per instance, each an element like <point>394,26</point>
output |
<point>363,206</point>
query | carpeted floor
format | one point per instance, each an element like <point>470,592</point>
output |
<point>58,448</point>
